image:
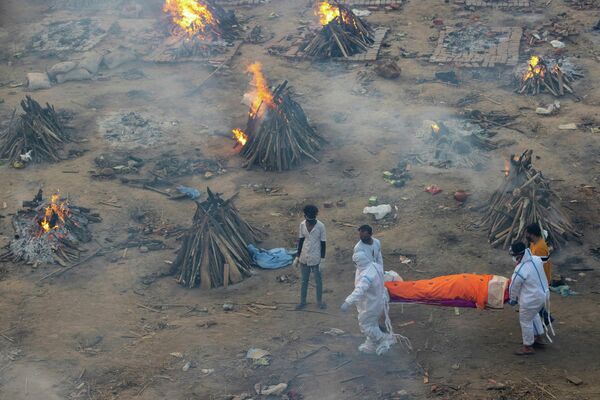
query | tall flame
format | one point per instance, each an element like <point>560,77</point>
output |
<point>534,69</point>
<point>192,16</point>
<point>327,13</point>
<point>54,214</point>
<point>240,136</point>
<point>261,94</point>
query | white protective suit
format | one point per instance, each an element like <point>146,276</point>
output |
<point>529,287</point>
<point>372,251</point>
<point>369,297</point>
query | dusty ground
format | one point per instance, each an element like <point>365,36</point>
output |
<point>50,346</point>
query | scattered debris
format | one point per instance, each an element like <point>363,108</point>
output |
<point>133,127</point>
<point>433,189</point>
<point>273,390</point>
<point>388,69</point>
<point>334,332</point>
<point>550,109</point>
<point>461,196</point>
<point>379,212</point>
<point>62,37</point>
<point>398,176</point>
<point>568,127</point>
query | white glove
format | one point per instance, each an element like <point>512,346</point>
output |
<point>322,265</point>
<point>344,307</point>
<point>295,262</point>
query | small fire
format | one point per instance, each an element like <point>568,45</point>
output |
<point>506,169</point>
<point>261,94</point>
<point>54,215</point>
<point>536,68</point>
<point>193,16</point>
<point>240,136</point>
<point>435,128</point>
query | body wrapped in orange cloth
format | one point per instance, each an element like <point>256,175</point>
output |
<point>459,290</point>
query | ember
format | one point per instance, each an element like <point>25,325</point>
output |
<point>524,198</point>
<point>49,231</point>
<point>542,75</point>
<point>458,143</point>
<point>277,135</point>
<point>215,250</point>
<point>343,34</point>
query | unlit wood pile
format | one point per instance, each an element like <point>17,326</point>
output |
<point>214,251</point>
<point>525,198</point>
<point>541,77</point>
<point>37,133</point>
<point>344,36</point>
<point>281,137</point>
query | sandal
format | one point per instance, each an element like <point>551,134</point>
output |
<point>525,351</point>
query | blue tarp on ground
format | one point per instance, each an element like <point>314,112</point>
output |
<point>271,259</point>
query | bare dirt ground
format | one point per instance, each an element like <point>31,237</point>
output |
<point>106,329</point>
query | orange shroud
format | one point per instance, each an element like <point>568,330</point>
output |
<point>465,287</point>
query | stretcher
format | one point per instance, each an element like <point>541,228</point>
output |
<point>460,290</point>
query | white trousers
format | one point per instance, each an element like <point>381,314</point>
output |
<point>369,326</point>
<point>531,324</point>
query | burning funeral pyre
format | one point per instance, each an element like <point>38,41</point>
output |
<point>36,136</point>
<point>277,135</point>
<point>545,75</point>
<point>525,198</point>
<point>215,249</point>
<point>343,34</point>
<point>457,143</point>
<point>200,28</point>
<point>49,230</point>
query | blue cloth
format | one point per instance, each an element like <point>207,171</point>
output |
<point>190,192</point>
<point>271,259</point>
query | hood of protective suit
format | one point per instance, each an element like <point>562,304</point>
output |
<point>361,260</point>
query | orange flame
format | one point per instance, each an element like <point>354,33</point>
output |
<point>192,16</point>
<point>240,136</point>
<point>55,212</point>
<point>261,94</point>
<point>327,13</point>
<point>435,128</point>
<point>535,69</point>
<point>506,168</point>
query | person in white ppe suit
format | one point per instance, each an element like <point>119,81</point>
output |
<point>529,289</point>
<point>369,295</point>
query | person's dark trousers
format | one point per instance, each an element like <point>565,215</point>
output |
<point>544,314</point>
<point>306,270</point>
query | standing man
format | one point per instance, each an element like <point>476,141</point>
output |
<point>528,288</point>
<point>311,253</point>
<point>369,245</point>
<point>370,300</point>
<point>538,247</point>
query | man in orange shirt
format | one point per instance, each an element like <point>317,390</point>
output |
<point>539,248</point>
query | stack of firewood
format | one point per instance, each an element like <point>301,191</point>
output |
<point>343,36</point>
<point>540,77</point>
<point>525,198</point>
<point>281,136</point>
<point>36,136</point>
<point>215,249</point>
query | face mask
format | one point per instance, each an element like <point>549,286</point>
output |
<point>311,221</point>
<point>514,258</point>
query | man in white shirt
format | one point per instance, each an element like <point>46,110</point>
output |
<point>311,251</point>
<point>369,245</point>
